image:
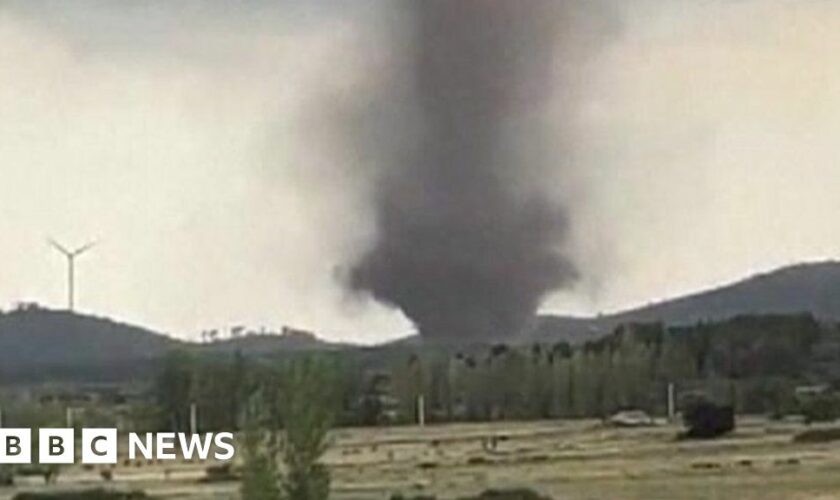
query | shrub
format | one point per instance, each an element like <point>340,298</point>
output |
<point>823,407</point>
<point>7,475</point>
<point>509,494</point>
<point>219,473</point>
<point>818,435</point>
<point>478,460</point>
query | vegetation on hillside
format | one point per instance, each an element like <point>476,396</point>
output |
<point>753,363</point>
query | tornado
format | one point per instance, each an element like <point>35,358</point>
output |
<point>468,240</point>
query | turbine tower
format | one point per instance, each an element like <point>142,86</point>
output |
<point>71,264</point>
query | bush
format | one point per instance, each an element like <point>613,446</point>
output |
<point>821,408</point>
<point>98,494</point>
<point>705,419</point>
<point>818,435</point>
<point>219,474</point>
<point>510,494</point>
<point>478,460</point>
<point>7,475</point>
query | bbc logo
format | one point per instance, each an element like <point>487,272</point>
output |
<point>57,446</point>
<point>100,446</point>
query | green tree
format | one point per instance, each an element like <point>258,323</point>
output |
<point>175,388</point>
<point>259,472</point>
<point>307,411</point>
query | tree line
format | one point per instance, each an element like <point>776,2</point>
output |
<point>754,363</point>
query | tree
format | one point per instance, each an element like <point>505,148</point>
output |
<point>308,415</point>
<point>259,473</point>
<point>175,387</point>
<point>307,411</point>
<point>823,407</point>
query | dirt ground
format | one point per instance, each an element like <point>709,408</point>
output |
<point>567,460</point>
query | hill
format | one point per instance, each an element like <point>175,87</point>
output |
<point>49,343</point>
<point>58,344</point>
<point>265,344</point>
<point>42,344</point>
<point>811,287</point>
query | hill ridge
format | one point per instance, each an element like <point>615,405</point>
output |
<point>48,340</point>
<point>812,287</point>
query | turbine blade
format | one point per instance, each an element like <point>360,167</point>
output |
<point>58,246</point>
<point>84,249</point>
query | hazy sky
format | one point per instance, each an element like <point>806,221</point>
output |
<point>196,142</point>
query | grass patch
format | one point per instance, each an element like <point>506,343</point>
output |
<point>824,435</point>
<point>97,494</point>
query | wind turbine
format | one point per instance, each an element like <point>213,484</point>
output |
<point>71,264</point>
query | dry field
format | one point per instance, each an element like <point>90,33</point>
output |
<point>572,460</point>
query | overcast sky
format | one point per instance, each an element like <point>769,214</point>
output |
<point>195,142</point>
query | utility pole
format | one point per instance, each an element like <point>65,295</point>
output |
<point>71,268</point>
<point>671,405</point>
<point>421,411</point>
<point>193,419</point>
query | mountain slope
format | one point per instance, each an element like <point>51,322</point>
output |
<point>55,344</point>
<point>44,335</point>
<point>264,344</point>
<point>812,287</point>
<point>44,342</point>
<point>38,343</point>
